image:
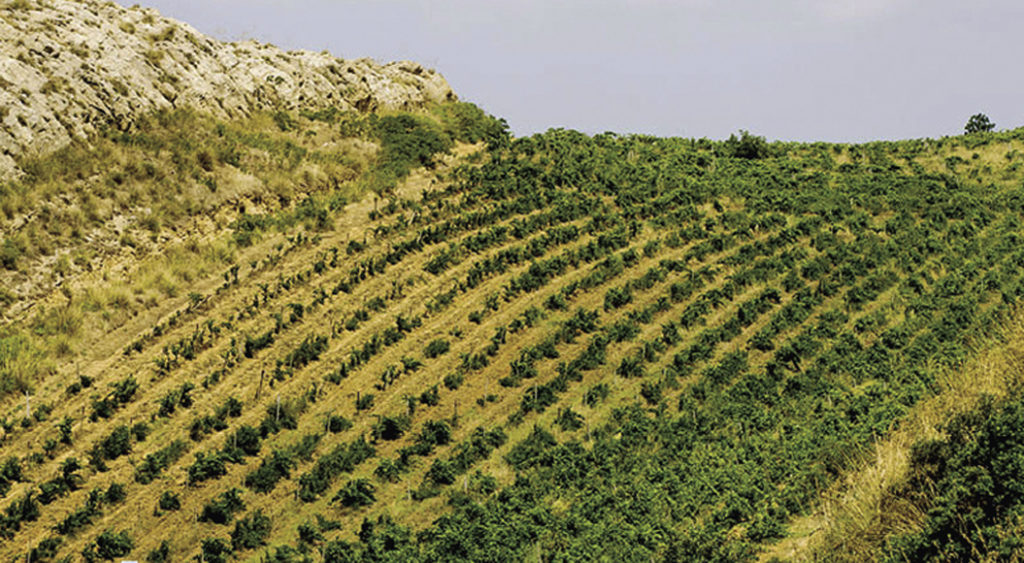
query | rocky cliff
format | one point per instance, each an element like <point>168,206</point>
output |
<point>68,67</point>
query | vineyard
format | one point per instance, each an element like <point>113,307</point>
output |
<point>558,347</point>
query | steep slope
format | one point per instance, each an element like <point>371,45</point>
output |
<point>222,268</point>
<point>891,503</point>
<point>74,74</point>
<point>68,67</point>
<point>567,346</point>
<point>295,329</point>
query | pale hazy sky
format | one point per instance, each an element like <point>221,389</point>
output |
<point>786,69</point>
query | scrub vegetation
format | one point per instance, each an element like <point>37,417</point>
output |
<point>412,337</point>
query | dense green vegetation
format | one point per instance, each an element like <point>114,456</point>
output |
<point>569,347</point>
<point>889,273</point>
<point>976,475</point>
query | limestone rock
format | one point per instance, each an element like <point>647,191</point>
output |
<point>68,67</point>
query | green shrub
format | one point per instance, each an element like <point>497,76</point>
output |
<point>468,123</point>
<point>430,397</point>
<point>244,442</point>
<point>435,433</point>
<point>452,381</point>
<point>250,532</point>
<point>121,393</point>
<point>207,466</point>
<point>10,253</point>
<point>215,550</point>
<point>407,142</point>
<point>25,509</point>
<point>337,423</point>
<point>10,473</point>
<point>170,501</point>
<point>64,430</point>
<point>364,401</point>
<point>108,546</point>
<point>282,415</point>
<point>46,550</point>
<point>342,459</point>
<point>976,475</point>
<point>83,516</point>
<point>309,350</point>
<point>271,470</point>
<point>223,509</point>
<point>161,554</point>
<point>569,420</point>
<point>387,470</point>
<point>140,431</point>
<point>67,481</point>
<point>356,493</point>
<point>247,228</point>
<point>115,493</point>
<point>436,348</point>
<point>154,464</point>
<point>390,427</point>
<point>596,394</point>
<point>117,444</point>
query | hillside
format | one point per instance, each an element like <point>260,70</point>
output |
<point>70,67</point>
<point>331,331</point>
<point>74,71</point>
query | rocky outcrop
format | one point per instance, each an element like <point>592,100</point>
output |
<point>68,67</point>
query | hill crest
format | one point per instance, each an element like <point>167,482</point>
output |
<point>68,67</point>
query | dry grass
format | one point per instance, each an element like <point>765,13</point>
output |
<point>103,360</point>
<point>107,309</point>
<point>177,176</point>
<point>862,509</point>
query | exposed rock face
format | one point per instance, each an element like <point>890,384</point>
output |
<point>69,66</point>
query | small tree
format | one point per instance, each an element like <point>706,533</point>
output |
<point>748,146</point>
<point>979,123</point>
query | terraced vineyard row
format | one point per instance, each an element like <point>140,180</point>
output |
<point>566,347</point>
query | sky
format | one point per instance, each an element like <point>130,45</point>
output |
<point>800,70</point>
